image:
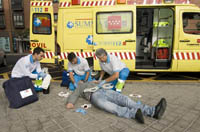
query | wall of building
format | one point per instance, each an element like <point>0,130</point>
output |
<point>12,39</point>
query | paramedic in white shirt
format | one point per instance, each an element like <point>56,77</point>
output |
<point>114,67</point>
<point>78,69</point>
<point>30,66</point>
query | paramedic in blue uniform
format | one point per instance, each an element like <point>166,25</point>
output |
<point>30,65</point>
<point>117,70</point>
<point>78,69</point>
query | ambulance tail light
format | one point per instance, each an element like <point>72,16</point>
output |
<point>121,1</point>
<point>168,1</point>
<point>198,40</point>
<point>75,2</point>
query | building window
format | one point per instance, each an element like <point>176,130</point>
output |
<point>5,44</point>
<point>191,23</point>
<point>55,17</point>
<point>2,21</point>
<point>1,5</point>
<point>41,23</point>
<point>114,22</point>
<point>55,1</point>
<point>18,19</point>
<point>17,4</point>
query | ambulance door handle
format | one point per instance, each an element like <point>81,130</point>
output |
<point>129,40</point>
<point>185,40</point>
<point>34,40</point>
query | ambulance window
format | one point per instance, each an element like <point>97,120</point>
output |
<point>114,22</point>
<point>191,23</point>
<point>41,23</point>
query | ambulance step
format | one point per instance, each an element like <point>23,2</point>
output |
<point>162,64</point>
<point>144,62</point>
<point>150,67</point>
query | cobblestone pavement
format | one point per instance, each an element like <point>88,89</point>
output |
<point>50,115</point>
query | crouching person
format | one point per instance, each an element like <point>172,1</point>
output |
<point>115,103</point>
<point>117,70</point>
<point>78,69</point>
<point>30,66</point>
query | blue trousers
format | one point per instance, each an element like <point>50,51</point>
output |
<point>123,74</point>
<point>119,104</point>
<point>78,78</point>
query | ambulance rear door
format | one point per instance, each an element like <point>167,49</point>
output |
<point>42,28</point>
<point>114,29</point>
<point>188,55</point>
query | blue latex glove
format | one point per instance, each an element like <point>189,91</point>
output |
<point>138,102</point>
<point>42,74</point>
<point>101,83</point>
<point>82,111</point>
<point>75,85</point>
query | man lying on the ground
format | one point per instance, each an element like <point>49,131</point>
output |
<point>116,103</point>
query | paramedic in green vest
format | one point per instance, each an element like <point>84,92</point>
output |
<point>117,70</point>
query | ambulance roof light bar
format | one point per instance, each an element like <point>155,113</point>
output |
<point>121,1</point>
<point>75,2</point>
<point>168,1</point>
<point>177,1</point>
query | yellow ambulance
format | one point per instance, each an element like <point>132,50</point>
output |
<point>148,35</point>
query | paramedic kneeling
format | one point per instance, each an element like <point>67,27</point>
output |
<point>78,69</point>
<point>30,66</point>
<point>114,67</point>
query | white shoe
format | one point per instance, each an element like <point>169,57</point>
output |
<point>63,94</point>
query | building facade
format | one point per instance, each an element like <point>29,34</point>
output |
<point>14,25</point>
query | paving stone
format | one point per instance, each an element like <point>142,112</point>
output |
<point>149,120</point>
<point>109,129</point>
<point>33,125</point>
<point>92,119</point>
<point>80,123</point>
<point>131,130</point>
<point>40,130</point>
<point>165,122</point>
<point>19,129</point>
<point>59,131</point>
<point>158,126</point>
<point>64,123</point>
<point>52,128</point>
<point>93,128</point>
<point>170,118</point>
<point>193,130</point>
<point>171,130</point>
<point>178,128</point>
<point>140,127</point>
<point>196,125</point>
<point>183,123</point>
<point>48,124</point>
<point>150,130</point>
<point>71,129</point>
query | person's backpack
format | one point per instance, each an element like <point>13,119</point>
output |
<point>20,92</point>
<point>65,79</point>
